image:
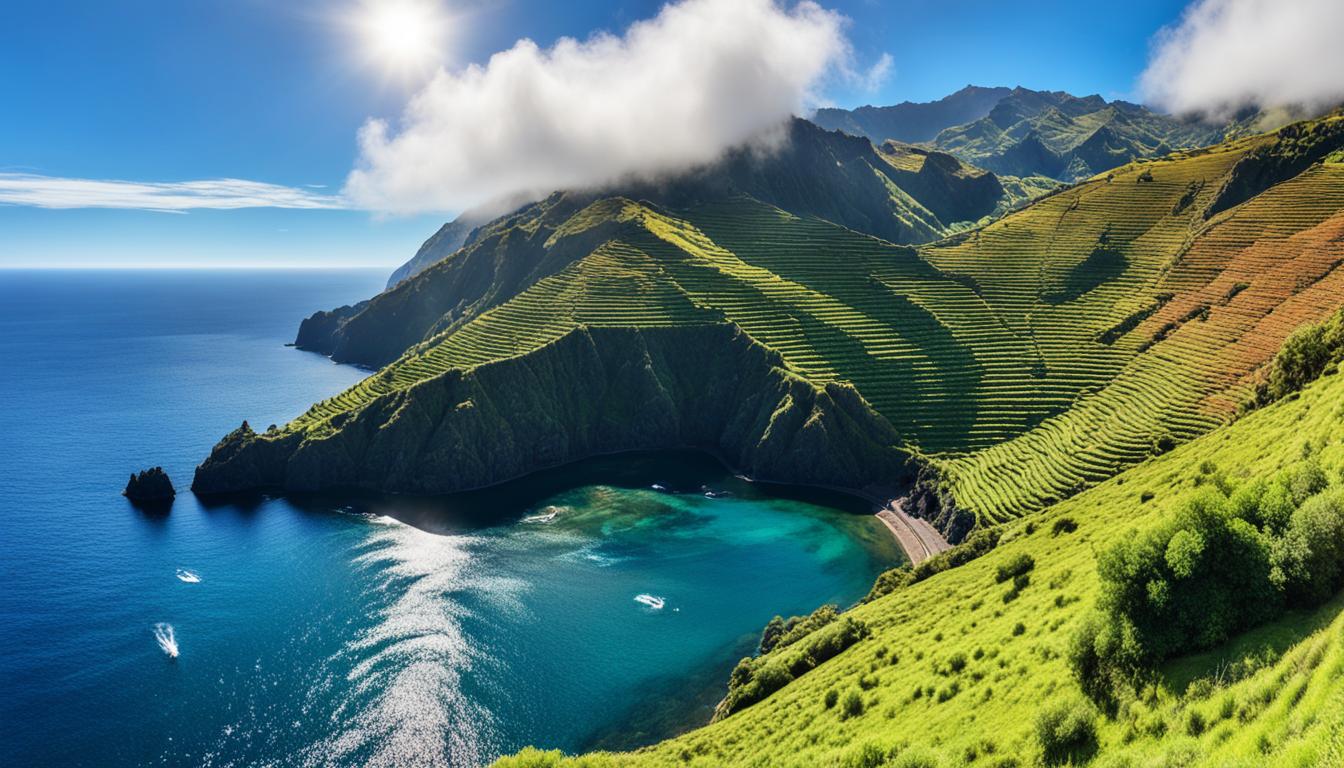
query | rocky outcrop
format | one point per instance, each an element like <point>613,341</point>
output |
<point>320,331</point>
<point>594,391</point>
<point>150,486</point>
<point>951,190</point>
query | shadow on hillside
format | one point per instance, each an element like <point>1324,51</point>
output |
<point>1261,646</point>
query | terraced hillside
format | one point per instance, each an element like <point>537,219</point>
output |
<point>970,666</point>
<point>890,192</point>
<point>1025,360</point>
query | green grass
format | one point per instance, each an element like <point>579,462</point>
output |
<point>957,674</point>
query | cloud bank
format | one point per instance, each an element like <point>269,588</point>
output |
<point>1227,54</point>
<point>671,92</point>
<point>176,197</point>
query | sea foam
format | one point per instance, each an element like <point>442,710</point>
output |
<point>167,640</point>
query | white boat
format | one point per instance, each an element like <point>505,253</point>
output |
<point>656,603</point>
<point>545,516</point>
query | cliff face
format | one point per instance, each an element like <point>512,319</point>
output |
<point>594,391</point>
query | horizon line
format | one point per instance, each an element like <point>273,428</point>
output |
<point>185,267</point>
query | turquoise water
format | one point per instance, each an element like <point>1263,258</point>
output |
<point>315,631</point>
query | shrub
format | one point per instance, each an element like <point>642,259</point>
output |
<point>1307,481</point>
<point>1309,558</point>
<point>531,757</point>
<point>1190,583</point>
<point>780,633</point>
<point>979,543</point>
<point>830,698</point>
<point>1019,628</point>
<point>1018,565</point>
<point>754,679</point>
<point>851,705</point>
<point>1304,356</point>
<point>866,755</point>
<point>914,758</point>
<point>1066,731</point>
<point>1195,722</point>
<point>1063,525</point>
<point>1182,586</point>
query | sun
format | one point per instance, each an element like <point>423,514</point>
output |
<point>403,37</point>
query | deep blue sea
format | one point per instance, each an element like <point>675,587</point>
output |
<point>580,607</point>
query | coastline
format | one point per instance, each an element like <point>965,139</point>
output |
<point>917,538</point>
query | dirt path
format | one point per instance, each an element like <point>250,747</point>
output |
<point>919,539</point>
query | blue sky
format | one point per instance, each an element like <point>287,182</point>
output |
<point>158,91</point>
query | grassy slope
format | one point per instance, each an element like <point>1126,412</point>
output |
<point>1289,712</point>
<point>1029,359</point>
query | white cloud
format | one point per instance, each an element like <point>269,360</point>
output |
<point>673,91</point>
<point>877,75</point>
<point>1228,54</point>
<point>223,194</point>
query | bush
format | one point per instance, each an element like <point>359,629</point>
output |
<point>914,758</point>
<point>1192,582</point>
<point>851,705</point>
<point>830,698</point>
<point>978,544</point>
<point>1304,356</point>
<point>780,633</point>
<point>531,757</point>
<point>754,679</point>
<point>1182,586</point>
<point>1063,525</point>
<point>1018,565</point>
<point>1066,731</point>
<point>1309,558</point>
<point>866,755</point>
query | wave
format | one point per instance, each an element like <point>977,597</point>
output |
<point>190,577</point>
<point>652,601</point>
<point>167,640</point>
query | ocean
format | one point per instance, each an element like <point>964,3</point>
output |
<point>581,607</point>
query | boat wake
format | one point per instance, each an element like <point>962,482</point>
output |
<point>163,634</point>
<point>190,577</point>
<point>652,601</point>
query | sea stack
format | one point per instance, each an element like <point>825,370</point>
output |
<point>151,485</point>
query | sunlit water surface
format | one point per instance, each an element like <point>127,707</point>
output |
<point>577,608</point>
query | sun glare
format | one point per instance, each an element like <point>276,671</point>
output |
<point>403,37</point>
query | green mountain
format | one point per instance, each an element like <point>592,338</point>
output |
<point>1121,402</point>
<point>899,194</point>
<point>1035,133</point>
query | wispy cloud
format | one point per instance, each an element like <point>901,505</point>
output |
<point>1227,54</point>
<point>173,197</point>
<point>877,75</point>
